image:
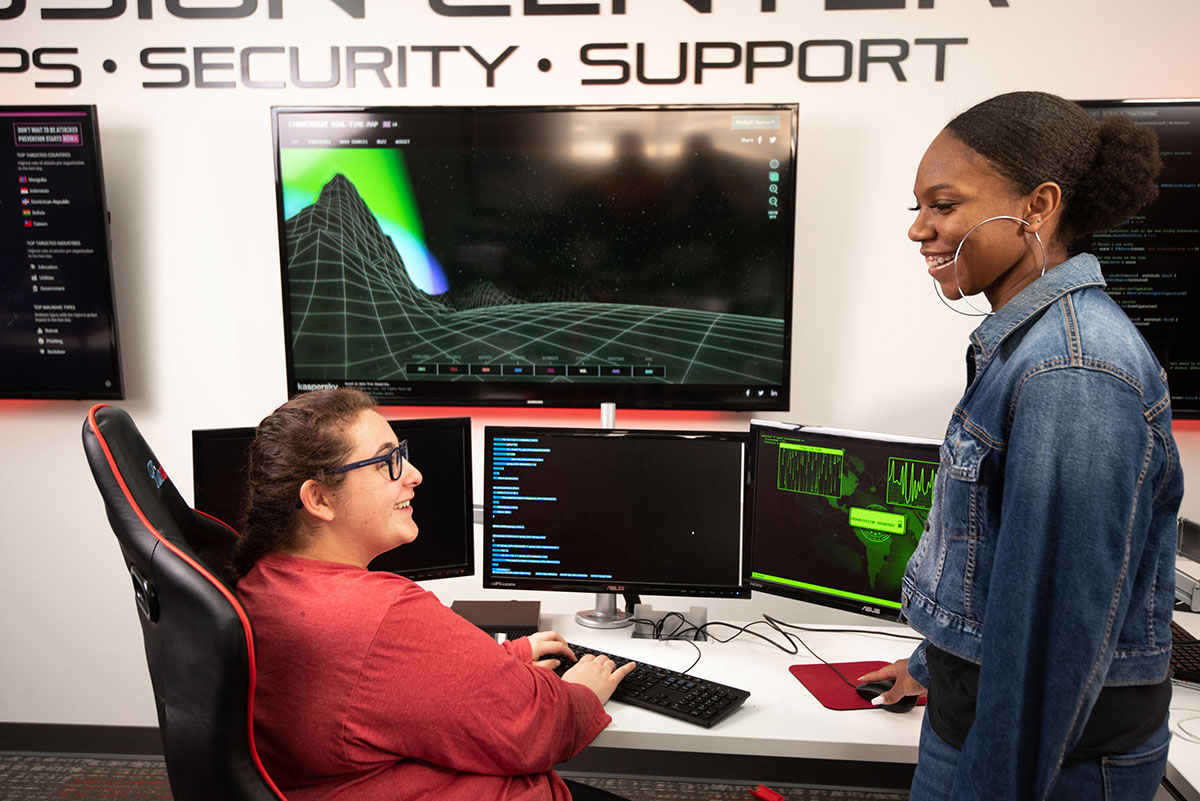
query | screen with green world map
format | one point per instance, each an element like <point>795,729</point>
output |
<point>837,514</point>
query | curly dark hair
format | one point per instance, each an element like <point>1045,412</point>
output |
<point>1107,168</point>
<point>300,440</point>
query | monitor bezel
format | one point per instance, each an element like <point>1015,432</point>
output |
<point>463,568</point>
<point>757,427</point>
<point>612,586</point>
<point>716,397</point>
<point>117,391</point>
<point>1177,412</point>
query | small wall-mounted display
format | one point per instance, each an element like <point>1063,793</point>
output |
<point>58,330</point>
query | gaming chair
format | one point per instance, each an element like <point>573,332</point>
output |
<point>199,643</point>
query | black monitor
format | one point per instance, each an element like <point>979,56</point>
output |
<point>440,449</point>
<point>836,514</point>
<point>559,256</point>
<point>1151,262</point>
<point>58,329</point>
<point>614,511</point>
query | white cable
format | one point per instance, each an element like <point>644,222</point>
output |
<point>1180,728</point>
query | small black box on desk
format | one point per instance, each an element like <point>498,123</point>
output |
<point>513,619</point>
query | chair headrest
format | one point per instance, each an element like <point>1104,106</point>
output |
<point>142,502</point>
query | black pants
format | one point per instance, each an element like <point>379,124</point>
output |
<point>584,792</point>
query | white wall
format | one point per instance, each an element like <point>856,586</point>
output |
<point>190,186</point>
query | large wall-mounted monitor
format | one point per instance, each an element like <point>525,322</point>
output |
<point>58,329</point>
<point>1152,262</point>
<point>440,448</point>
<point>614,511</point>
<point>540,255</point>
<point>836,514</point>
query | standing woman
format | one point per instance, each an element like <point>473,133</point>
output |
<point>1044,583</point>
<point>367,686</point>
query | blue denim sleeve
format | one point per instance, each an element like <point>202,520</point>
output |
<point>916,665</point>
<point>1076,454</point>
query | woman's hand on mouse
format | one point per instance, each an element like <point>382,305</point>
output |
<point>549,649</point>
<point>905,684</point>
<point>599,674</point>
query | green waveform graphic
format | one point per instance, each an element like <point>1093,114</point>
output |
<point>813,471</point>
<point>910,482</point>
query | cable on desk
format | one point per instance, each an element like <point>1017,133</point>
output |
<point>657,631</point>
<point>880,633</point>
<point>1177,726</point>
<point>683,627</point>
<point>777,624</point>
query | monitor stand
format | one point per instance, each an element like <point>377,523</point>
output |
<point>605,615</point>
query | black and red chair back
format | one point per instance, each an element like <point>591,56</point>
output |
<point>199,642</point>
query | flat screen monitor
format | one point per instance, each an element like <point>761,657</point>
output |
<point>836,514</point>
<point>614,511</point>
<point>1152,262</point>
<point>440,449</point>
<point>558,256</point>
<point>58,328</point>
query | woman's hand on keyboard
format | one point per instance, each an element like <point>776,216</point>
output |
<point>550,649</point>
<point>599,674</point>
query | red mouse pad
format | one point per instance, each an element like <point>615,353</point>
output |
<point>828,687</point>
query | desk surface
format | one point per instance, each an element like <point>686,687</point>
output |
<point>782,719</point>
<point>1183,764</point>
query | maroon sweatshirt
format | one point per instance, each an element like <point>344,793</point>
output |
<point>369,688</point>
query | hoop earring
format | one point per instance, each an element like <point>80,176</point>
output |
<point>963,295</point>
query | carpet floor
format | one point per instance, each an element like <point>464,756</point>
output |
<point>41,778</point>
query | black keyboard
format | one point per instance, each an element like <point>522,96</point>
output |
<point>1185,654</point>
<point>669,691</point>
<point>1180,635</point>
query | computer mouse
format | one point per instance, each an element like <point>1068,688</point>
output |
<point>870,689</point>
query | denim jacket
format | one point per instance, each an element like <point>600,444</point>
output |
<point>1048,557</point>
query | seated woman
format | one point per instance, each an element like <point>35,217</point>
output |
<point>368,687</point>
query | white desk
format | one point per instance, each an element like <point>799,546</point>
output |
<point>781,719</point>
<point>1183,764</point>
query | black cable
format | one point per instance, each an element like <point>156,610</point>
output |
<point>657,631</point>
<point>683,627</point>
<point>879,632</point>
<point>631,600</point>
<point>780,623</point>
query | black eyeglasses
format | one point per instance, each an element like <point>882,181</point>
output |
<point>394,459</point>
